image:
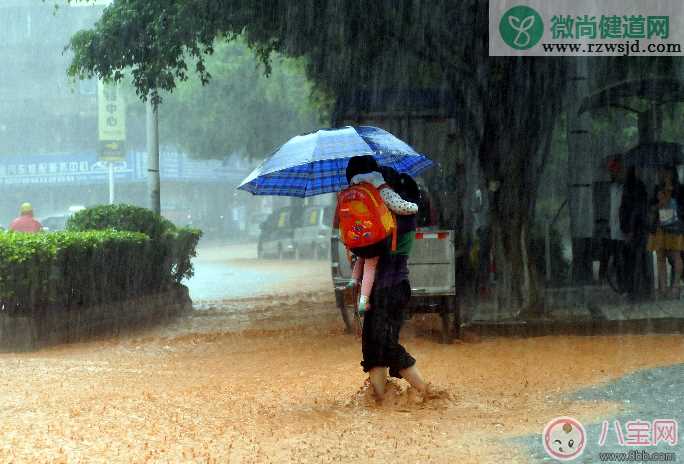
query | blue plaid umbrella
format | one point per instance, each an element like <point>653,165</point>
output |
<point>315,163</point>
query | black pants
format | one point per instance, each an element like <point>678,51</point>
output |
<point>483,257</point>
<point>621,255</point>
<point>381,326</point>
<point>638,277</point>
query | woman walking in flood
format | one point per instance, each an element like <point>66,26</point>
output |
<point>390,294</point>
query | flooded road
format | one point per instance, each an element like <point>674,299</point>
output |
<point>232,271</point>
<point>273,378</point>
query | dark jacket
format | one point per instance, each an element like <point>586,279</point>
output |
<point>634,208</point>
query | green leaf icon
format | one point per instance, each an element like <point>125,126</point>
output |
<point>521,27</point>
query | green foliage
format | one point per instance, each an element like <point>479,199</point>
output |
<point>183,250</point>
<point>242,110</point>
<point>163,43</point>
<point>68,269</point>
<point>121,217</point>
<point>171,248</point>
<point>108,253</point>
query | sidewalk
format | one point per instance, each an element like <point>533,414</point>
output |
<point>585,310</point>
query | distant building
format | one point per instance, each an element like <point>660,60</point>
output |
<point>197,192</point>
<point>49,133</point>
<point>41,110</point>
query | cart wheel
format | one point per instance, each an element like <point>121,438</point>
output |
<point>446,328</point>
<point>346,317</point>
<point>454,306</point>
<point>446,317</point>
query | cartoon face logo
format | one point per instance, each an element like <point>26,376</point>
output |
<point>564,438</point>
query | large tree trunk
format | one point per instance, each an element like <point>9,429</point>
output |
<point>518,286</point>
<point>514,146</point>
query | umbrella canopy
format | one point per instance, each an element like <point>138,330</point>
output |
<point>313,164</point>
<point>654,155</point>
<point>626,94</point>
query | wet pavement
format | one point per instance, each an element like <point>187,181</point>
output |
<point>232,271</point>
<point>273,378</point>
<point>645,396</point>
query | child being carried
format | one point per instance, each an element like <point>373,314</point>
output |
<point>367,224</point>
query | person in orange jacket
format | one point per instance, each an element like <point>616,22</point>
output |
<point>25,222</point>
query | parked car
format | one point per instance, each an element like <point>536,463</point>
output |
<point>277,233</point>
<point>254,225</point>
<point>56,222</point>
<point>312,238</point>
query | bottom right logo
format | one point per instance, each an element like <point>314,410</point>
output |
<point>564,438</point>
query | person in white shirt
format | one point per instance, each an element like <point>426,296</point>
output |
<point>616,243</point>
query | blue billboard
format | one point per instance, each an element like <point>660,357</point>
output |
<point>87,169</point>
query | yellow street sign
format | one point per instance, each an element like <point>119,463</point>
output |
<point>112,151</point>
<point>111,112</point>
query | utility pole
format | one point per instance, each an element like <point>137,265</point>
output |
<point>153,182</point>
<point>111,122</point>
<point>111,182</point>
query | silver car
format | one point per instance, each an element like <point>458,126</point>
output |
<point>277,235</point>
<point>312,238</point>
<point>57,222</point>
<point>254,225</point>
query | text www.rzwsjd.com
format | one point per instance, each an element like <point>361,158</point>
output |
<point>625,48</point>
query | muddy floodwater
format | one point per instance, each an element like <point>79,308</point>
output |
<point>275,379</point>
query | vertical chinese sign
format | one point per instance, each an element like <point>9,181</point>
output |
<point>111,128</point>
<point>111,122</point>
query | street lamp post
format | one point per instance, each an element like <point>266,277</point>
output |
<point>111,182</point>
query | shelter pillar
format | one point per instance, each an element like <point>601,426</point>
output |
<point>580,174</point>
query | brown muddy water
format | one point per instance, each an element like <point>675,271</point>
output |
<point>275,379</point>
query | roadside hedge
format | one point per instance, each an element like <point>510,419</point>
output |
<point>172,247</point>
<point>70,269</point>
<point>107,254</point>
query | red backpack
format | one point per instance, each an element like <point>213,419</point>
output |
<point>366,224</point>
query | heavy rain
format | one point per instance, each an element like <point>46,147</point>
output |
<point>341,231</point>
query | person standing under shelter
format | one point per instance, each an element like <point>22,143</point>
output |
<point>667,238</point>
<point>634,225</point>
<point>481,231</point>
<point>25,222</point>
<point>616,244</point>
